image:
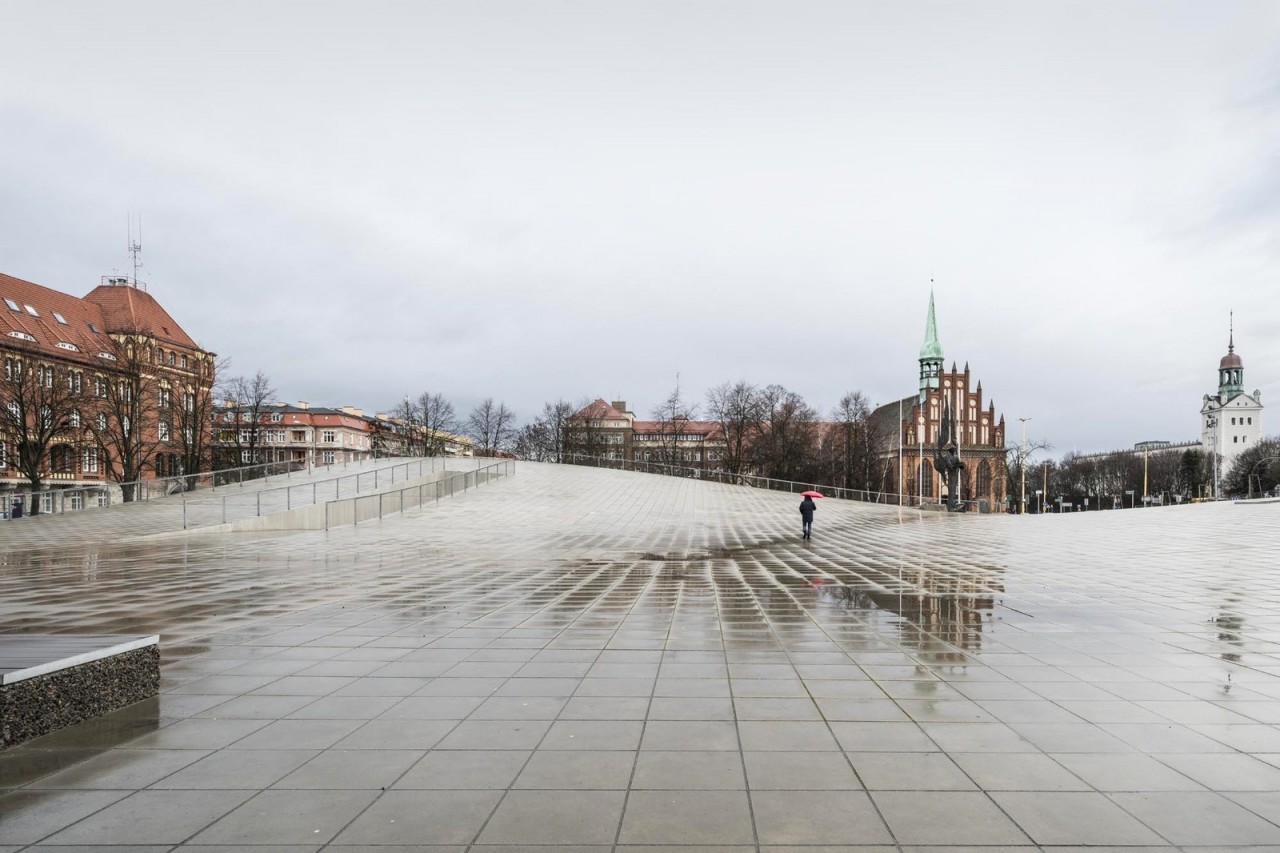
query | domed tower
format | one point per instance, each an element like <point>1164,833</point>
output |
<point>1231,370</point>
<point>930,354</point>
<point>1231,420</point>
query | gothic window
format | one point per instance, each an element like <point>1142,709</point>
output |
<point>984,479</point>
<point>925,479</point>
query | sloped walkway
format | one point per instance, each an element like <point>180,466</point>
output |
<point>607,661</point>
<point>208,507</point>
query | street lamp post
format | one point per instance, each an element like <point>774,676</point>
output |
<point>1145,500</point>
<point>1022,467</point>
<point>1213,422</point>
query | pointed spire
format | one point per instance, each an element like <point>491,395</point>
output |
<point>931,348</point>
<point>1231,338</point>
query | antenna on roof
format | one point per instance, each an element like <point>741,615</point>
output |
<point>135,246</point>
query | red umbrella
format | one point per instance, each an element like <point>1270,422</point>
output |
<point>811,494</point>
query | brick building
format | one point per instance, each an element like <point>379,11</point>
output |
<point>99,388</point>
<point>913,425</point>
<point>610,431</point>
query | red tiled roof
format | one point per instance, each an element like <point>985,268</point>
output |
<point>599,410</point>
<point>105,309</point>
<point>707,428</point>
<point>125,307</point>
<point>45,328</point>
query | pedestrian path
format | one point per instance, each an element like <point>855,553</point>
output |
<point>609,661</point>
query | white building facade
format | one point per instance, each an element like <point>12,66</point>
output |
<point>1231,420</point>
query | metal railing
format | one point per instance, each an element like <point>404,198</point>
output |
<point>358,508</point>
<point>80,496</point>
<point>255,504</point>
<point>771,483</point>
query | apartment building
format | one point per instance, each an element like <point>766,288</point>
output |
<point>99,388</point>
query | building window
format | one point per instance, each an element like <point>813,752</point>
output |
<point>89,460</point>
<point>1233,421</point>
<point>1235,439</point>
<point>328,436</point>
<point>162,430</point>
<point>4,455</point>
<point>297,435</point>
<point>75,418</point>
<point>328,457</point>
<point>165,398</point>
<point>102,421</point>
<point>172,357</point>
<point>184,362</point>
<point>925,479</point>
<point>76,500</point>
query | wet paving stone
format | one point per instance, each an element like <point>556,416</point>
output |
<point>594,660</point>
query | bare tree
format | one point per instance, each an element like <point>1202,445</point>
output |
<point>850,445</point>
<point>40,416</point>
<point>673,415</point>
<point>408,419</point>
<point>736,408</point>
<point>546,438</point>
<point>491,425</point>
<point>787,447</point>
<point>426,422</point>
<point>192,409</point>
<point>126,425</point>
<point>439,421</point>
<point>247,400</point>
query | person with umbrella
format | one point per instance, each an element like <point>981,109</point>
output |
<point>807,506</point>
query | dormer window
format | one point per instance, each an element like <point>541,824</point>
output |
<point>13,306</point>
<point>67,346</point>
<point>33,312</point>
<point>108,356</point>
<point>22,336</point>
<point>60,318</point>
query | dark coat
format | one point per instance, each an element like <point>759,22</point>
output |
<point>807,506</point>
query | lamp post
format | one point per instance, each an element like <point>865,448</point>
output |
<point>1213,422</point>
<point>1022,467</point>
<point>1046,485</point>
<point>1144,477</point>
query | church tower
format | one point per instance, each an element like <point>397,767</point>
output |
<point>1231,420</point>
<point>930,354</point>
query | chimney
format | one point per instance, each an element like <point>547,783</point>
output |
<point>304,405</point>
<point>353,411</point>
<point>382,416</point>
<point>620,405</point>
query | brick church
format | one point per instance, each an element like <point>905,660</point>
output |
<point>910,428</point>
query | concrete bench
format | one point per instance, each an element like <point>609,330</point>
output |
<point>48,681</point>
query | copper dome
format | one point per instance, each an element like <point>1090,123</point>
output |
<point>1230,360</point>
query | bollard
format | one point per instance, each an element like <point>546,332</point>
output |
<point>259,496</point>
<point>224,509</point>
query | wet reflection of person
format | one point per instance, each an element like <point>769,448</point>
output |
<point>807,506</point>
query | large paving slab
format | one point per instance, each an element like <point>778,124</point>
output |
<point>596,660</point>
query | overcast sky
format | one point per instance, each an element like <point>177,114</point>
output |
<point>534,200</point>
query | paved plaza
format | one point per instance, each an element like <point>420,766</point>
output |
<point>586,660</point>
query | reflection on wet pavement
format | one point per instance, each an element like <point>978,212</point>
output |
<point>596,658</point>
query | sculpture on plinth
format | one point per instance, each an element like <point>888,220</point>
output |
<point>946,459</point>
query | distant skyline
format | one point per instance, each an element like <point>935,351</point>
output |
<point>535,200</point>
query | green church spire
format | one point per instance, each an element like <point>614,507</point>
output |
<point>930,353</point>
<point>931,349</point>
